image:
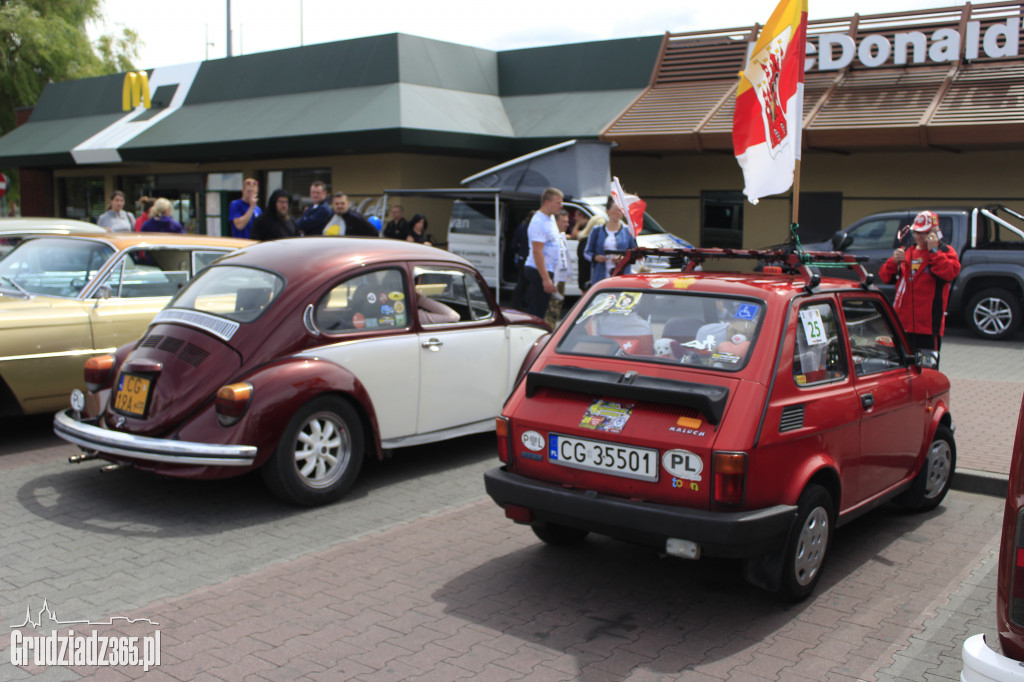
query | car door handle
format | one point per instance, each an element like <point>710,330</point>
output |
<point>867,400</point>
<point>433,345</point>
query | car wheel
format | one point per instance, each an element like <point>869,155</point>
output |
<point>557,534</point>
<point>993,314</point>
<point>933,481</point>
<point>319,454</point>
<point>807,544</point>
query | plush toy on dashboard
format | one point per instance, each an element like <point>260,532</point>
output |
<point>737,338</point>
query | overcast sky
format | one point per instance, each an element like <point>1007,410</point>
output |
<point>177,32</point>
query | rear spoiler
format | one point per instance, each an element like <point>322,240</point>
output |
<point>708,400</point>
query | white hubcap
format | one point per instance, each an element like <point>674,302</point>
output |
<point>810,549</point>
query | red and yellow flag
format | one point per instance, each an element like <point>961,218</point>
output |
<point>769,103</point>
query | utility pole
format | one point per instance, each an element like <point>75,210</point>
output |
<point>229,26</point>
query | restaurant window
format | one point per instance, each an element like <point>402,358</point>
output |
<point>721,223</point>
<point>81,198</point>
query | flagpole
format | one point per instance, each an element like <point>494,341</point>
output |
<point>796,192</point>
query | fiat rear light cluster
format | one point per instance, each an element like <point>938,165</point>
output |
<point>232,401</point>
<point>1017,578</point>
<point>502,430</point>
<point>99,372</point>
<point>730,474</point>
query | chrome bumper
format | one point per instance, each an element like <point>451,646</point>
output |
<point>105,441</point>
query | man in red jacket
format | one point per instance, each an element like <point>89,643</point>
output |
<point>924,272</point>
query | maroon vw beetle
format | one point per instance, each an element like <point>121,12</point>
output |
<point>725,414</point>
<point>300,356</point>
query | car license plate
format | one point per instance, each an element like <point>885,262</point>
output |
<point>132,393</point>
<point>608,458</point>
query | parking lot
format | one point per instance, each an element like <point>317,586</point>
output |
<point>417,575</point>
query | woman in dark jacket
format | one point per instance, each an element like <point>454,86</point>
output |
<point>276,221</point>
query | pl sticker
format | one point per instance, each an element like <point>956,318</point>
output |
<point>533,441</point>
<point>683,464</point>
<point>607,416</point>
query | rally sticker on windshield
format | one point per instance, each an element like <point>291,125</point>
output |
<point>604,415</point>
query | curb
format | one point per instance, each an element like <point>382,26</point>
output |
<point>981,482</point>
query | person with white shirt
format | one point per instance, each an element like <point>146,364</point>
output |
<point>543,256</point>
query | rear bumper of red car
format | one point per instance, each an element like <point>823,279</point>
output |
<point>163,450</point>
<point>741,534</point>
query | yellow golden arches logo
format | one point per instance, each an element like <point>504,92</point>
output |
<point>135,91</point>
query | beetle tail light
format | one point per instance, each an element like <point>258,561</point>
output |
<point>730,474</point>
<point>501,430</point>
<point>232,401</point>
<point>1016,605</point>
<point>99,372</point>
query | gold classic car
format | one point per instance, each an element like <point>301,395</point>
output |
<point>13,231</point>
<point>64,298</point>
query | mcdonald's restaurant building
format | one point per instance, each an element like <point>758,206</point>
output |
<point>922,108</point>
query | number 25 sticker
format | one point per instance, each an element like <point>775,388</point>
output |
<point>814,328</point>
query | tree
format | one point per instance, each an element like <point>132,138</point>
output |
<point>42,41</point>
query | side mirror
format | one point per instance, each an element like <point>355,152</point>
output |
<point>927,359</point>
<point>104,291</point>
<point>840,241</point>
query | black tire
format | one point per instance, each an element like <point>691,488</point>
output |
<point>557,534</point>
<point>933,481</point>
<point>994,314</point>
<point>319,454</point>
<point>807,545</point>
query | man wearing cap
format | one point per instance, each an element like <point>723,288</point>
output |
<point>924,272</point>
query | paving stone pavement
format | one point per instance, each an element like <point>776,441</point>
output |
<point>416,575</point>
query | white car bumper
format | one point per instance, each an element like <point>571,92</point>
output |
<point>982,664</point>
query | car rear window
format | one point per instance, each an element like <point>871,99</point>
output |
<point>670,327</point>
<point>237,293</point>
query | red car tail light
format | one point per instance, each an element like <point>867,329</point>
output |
<point>730,473</point>
<point>501,431</point>
<point>99,372</point>
<point>1016,605</point>
<point>232,401</point>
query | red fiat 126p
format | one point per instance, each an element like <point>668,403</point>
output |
<point>725,414</point>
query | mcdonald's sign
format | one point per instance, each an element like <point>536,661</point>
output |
<point>135,91</point>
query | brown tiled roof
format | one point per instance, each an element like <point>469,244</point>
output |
<point>959,105</point>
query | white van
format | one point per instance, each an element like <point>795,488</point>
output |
<point>490,206</point>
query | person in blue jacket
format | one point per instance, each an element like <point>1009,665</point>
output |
<point>612,236</point>
<point>316,216</point>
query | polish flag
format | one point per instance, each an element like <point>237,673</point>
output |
<point>769,103</point>
<point>631,205</point>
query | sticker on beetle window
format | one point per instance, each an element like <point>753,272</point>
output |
<point>358,321</point>
<point>399,307</point>
<point>371,298</point>
<point>396,295</point>
<point>814,328</point>
<point>607,416</point>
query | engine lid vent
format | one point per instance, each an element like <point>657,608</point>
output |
<point>792,418</point>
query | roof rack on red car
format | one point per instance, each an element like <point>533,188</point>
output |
<point>773,261</point>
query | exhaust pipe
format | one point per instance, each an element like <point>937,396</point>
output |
<point>82,457</point>
<point>114,467</point>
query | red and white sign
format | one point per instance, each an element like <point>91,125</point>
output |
<point>769,103</point>
<point>3,184</point>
